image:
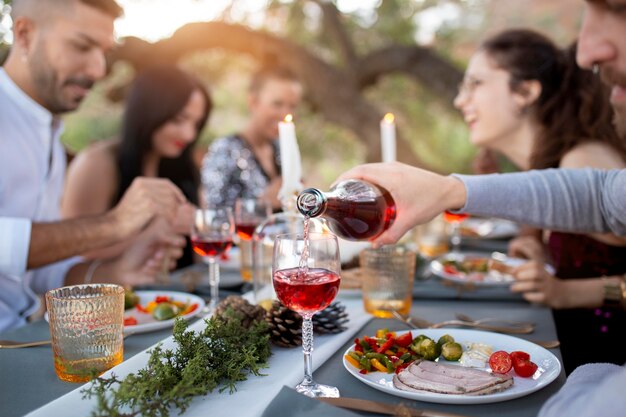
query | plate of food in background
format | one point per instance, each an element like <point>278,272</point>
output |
<point>477,268</point>
<point>146,311</point>
<point>488,228</point>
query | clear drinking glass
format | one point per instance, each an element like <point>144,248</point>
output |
<point>455,220</point>
<point>86,325</point>
<point>387,277</point>
<point>306,276</point>
<point>249,213</point>
<point>212,235</point>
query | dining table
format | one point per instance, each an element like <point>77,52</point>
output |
<point>29,386</point>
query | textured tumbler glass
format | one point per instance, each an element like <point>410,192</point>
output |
<point>87,326</point>
<point>387,274</point>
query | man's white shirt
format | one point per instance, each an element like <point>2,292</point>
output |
<point>32,170</point>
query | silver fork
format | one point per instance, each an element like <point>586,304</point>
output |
<point>421,323</point>
<point>416,323</point>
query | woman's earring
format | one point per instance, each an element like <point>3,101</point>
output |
<point>595,68</point>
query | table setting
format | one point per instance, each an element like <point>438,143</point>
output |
<point>284,370</point>
<point>210,341</point>
<point>258,394</point>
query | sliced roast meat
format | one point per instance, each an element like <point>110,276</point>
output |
<point>427,376</point>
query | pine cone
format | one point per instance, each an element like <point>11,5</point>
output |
<point>250,313</point>
<point>285,326</point>
<point>331,319</point>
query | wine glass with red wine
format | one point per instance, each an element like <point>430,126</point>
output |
<point>306,279</point>
<point>455,219</point>
<point>211,236</point>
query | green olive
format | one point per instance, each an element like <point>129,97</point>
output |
<point>164,311</point>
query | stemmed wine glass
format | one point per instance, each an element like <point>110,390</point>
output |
<point>211,236</point>
<point>306,279</point>
<point>249,213</point>
<point>455,219</point>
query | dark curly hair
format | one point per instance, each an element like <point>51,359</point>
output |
<point>573,106</point>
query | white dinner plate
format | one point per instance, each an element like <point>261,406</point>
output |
<point>487,228</point>
<point>147,323</point>
<point>549,369</point>
<point>487,279</point>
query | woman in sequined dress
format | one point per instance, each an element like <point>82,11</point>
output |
<point>525,98</point>
<point>247,164</point>
<point>166,108</point>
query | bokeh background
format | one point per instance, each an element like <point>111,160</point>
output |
<point>372,57</point>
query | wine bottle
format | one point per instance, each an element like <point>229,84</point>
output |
<point>353,209</point>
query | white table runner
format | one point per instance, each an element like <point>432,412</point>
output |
<point>286,367</point>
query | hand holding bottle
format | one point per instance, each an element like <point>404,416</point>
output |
<point>419,195</point>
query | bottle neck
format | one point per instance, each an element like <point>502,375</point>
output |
<point>311,202</point>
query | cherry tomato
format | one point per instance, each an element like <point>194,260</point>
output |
<point>519,355</point>
<point>500,362</point>
<point>130,321</point>
<point>524,368</point>
<point>449,269</point>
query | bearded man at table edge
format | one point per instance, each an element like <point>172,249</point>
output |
<point>582,200</point>
<point>58,53</point>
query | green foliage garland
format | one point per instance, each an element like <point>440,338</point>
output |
<point>220,355</point>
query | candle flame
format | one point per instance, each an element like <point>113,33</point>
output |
<point>389,118</point>
<point>288,118</point>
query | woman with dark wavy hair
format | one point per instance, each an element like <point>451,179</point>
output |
<point>166,109</point>
<point>525,98</point>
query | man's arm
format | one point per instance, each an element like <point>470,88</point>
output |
<point>51,242</point>
<point>145,199</point>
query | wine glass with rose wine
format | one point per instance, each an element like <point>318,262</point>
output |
<point>249,213</point>
<point>455,220</point>
<point>211,236</point>
<point>306,280</point>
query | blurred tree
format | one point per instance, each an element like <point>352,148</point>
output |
<point>356,65</point>
<point>334,90</point>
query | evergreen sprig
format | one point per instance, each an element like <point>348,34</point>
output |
<point>221,355</point>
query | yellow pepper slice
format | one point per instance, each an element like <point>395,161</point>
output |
<point>352,361</point>
<point>379,366</point>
